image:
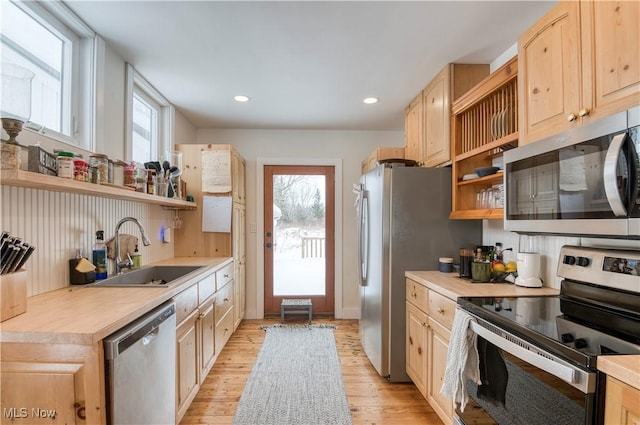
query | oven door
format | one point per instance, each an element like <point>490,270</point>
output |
<point>530,386</point>
<point>583,182</point>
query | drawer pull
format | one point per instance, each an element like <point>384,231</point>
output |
<point>440,310</point>
<point>420,350</point>
<point>226,300</point>
<point>226,275</point>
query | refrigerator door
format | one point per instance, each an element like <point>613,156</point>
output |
<point>373,288</point>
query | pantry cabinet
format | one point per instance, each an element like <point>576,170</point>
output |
<point>223,161</point>
<point>428,117</point>
<point>578,63</point>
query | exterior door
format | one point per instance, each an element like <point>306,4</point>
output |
<point>299,240</point>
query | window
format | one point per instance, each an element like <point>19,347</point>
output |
<point>149,120</point>
<point>58,48</point>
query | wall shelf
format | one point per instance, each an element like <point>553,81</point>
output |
<point>32,180</point>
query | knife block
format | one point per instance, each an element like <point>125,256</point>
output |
<point>13,291</point>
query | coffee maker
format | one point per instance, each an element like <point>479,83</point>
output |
<point>529,270</point>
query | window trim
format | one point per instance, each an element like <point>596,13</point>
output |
<point>81,107</point>
<point>166,114</point>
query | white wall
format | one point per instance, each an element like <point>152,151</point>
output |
<point>349,146</point>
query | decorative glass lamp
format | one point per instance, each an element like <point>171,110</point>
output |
<point>15,99</point>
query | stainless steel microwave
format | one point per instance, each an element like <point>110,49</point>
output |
<point>583,182</point>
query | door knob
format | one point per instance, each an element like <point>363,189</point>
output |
<point>269,245</point>
<point>268,234</point>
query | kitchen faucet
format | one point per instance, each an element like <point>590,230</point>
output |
<point>128,262</point>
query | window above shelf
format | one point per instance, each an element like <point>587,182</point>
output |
<point>32,180</point>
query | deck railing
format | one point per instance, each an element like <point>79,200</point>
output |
<point>312,247</point>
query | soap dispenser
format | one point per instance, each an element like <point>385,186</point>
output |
<point>136,257</point>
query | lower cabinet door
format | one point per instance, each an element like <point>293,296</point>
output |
<point>438,342</point>
<point>416,352</point>
<point>207,323</point>
<point>187,363</point>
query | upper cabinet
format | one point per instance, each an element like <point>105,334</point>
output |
<point>413,130</point>
<point>484,125</point>
<point>580,62</point>
<point>428,117</point>
<point>380,154</point>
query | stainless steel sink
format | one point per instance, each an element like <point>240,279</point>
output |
<point>152,277</point>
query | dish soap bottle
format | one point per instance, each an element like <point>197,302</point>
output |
<point>100,256</point>
<point>136,257</point>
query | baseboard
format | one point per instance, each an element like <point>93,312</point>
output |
<point>350,313</point>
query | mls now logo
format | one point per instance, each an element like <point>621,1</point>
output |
<point>23,412</point>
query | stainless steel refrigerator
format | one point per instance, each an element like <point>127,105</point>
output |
<point>403,224</point>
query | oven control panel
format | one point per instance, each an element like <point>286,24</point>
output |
<point>606,267</point>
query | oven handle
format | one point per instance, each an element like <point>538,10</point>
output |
<point>610,175</point>
<point>584,381</point>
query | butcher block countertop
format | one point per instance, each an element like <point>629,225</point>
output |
<point>85,315</point>
<point>624,368</point>
<point>452,287</point>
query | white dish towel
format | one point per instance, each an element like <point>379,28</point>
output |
<point>462,360</point>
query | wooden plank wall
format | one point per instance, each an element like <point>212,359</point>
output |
<point>190,240</point>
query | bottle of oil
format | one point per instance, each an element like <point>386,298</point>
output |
<point>100,256</point>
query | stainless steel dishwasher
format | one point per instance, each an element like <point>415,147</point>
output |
<point>140,371</point>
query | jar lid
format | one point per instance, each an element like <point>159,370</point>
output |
<point>99,155</point>
<point>445,260</point>
<point>65,154</point>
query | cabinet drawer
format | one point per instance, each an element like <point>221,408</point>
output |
<point>206,287</point>
<point>417,295</point>
<point>224,275</point>
<point>186,302</point>
<point>224,329</point>
<point>224,301</point>
<point>441,309</point>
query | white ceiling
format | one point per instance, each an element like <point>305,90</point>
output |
<point>305,65</point>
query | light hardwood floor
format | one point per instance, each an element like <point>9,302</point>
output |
<point>372,400</point>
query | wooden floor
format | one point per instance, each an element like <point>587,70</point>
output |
<point>372,400</point>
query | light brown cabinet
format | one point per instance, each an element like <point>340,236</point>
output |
<point>622,403</point>
<point>428,329</point>
<point>580,62</point>
<point>428,117</point>
<point>484,125</point>
<point>413,135</point>
<point>191,241</point>
<point>239,262</point>
<point>199,311</point>
<point>379,154</point>
<point>38,379</point>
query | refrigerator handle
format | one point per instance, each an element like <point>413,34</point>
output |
<point>363,240</point>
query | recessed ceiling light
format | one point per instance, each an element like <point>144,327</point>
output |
<point>370,100</point>
<point>241,98</point>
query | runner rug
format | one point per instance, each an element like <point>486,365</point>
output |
<point>296,380</point>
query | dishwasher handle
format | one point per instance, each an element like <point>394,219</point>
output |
<point>145,329</point>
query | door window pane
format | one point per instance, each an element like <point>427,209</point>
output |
<point>299,235</point>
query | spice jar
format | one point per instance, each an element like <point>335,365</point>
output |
<point>65,164</point>
<point>80,170</point>
<point>129,175</point>
<point>101,164</point>
<point>118,172</point>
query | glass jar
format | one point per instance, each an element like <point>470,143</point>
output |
<point>65,164</point>
<point>118,172</point>
<point>80,170</point>
<point>101,164</point>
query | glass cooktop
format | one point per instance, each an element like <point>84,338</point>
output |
<point>548,323</point>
